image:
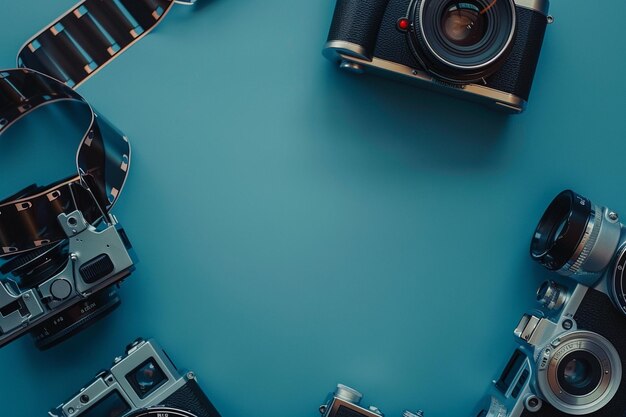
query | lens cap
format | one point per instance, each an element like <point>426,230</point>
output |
<point>560,230</point>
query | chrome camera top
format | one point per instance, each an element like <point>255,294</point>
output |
<point>572,348</point>
<point>344,402</point>
<point>58,290</point>
<point>144,382</point>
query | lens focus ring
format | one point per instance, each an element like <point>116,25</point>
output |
<point>573,266</point>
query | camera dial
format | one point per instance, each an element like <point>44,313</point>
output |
<point>461,41</point>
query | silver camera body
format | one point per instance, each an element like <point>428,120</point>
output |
<point>143,382</point>
<point>572,348</point>
<point>53,293</point>
<point>345,402</point>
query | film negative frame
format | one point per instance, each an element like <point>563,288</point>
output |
<point>91,34</point>
<point>28,220</point>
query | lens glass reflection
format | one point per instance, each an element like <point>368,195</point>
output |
<point>146,378</point>
<point>577,373</point>
<point>464,23</point>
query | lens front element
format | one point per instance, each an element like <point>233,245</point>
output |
<point>579,373</point>
<point>464,24</point>
<point>462,41</point>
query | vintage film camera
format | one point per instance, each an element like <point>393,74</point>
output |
<point>483,50</point>
<point>64,252</point>
<point>142,383</point>
<point>572,349</point>
<point>345,402</point>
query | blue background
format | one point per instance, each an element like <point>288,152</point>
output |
<point>299,227</point>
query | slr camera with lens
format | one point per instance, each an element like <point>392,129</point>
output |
<point>483,50</point>
<point>345,402</point>
<point>142,383</point>
<point>572,348</point>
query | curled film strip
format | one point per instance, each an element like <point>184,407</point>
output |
<point>51,64</point>
<point>90,35</point>
<point>28,220</point>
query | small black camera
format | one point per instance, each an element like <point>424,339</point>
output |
<point>142,383</point>
<point>483,50</point>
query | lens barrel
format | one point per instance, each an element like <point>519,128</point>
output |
<point>561,230</point>
<point>462,41</point>
<point>576,238</point>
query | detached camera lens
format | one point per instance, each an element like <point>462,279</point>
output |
<point>561,230</point>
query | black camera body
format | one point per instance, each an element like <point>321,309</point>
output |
<point>142,383</point>
<point>482,50</point>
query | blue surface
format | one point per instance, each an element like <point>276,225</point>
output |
<point>299,227</point>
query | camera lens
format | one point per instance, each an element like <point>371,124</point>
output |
<point>76,318</point>
<point>561,230</point>
<point>579,373</point>
<point>462,41</point>
<point>576,238</point>
<point>463,24</point>
<point>146,378</point>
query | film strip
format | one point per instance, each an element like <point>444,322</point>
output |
<point>51,64</point>
<point>28,220</point>
<point>90,35</point>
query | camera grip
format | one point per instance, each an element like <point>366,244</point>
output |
<point>518,71</point>
<point>191,398</point>
<point>357,22</point>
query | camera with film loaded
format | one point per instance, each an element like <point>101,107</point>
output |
<point>572,348</point>
<point>483,50</point>
<point>142,383</point>
<point>345,402</point>
<point>63,253</point>
<point>58,289</point>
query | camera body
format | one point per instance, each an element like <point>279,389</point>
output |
<point>345,402</point>
<point>572,348</point>
<point>144,382</point>
<point>433,44</point>
<point>57,290</point>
